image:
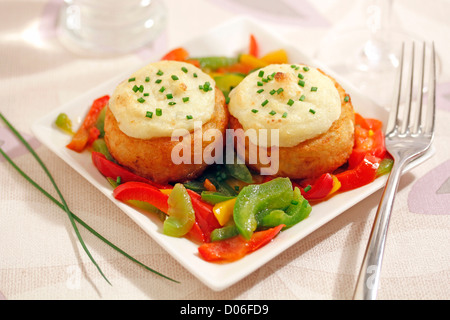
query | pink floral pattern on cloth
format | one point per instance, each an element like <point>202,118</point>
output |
<point>431,193</point>
<point>12,146</point>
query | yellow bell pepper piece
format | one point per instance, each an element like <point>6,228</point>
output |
<point>224,211</point>
<point>336,185</point>
<point>277,56</point>
<point>252,61</point>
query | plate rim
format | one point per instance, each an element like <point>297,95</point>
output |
<point>258,258</point>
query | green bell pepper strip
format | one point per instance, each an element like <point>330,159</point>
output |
<point>216,62</point>
<point>274,194</point>
<point>64,123</point>
<point>239,171</point>
<point>100,123</point>
<point>181,214</point>
<point>214,197</point>
<point>99,145</point>
<point>228,81</point>
<point>298,210</point>
<point>385,167</point>
<point>224,233</point>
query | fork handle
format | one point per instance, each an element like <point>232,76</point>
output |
<point>369,275</point>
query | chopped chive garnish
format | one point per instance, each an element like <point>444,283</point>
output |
<point>265,80</point>
<point>347,98</point>
<point>254,111</point>
<point>260,84</point>
<point>185,99</point>
<point>272,92</point>
<point>272,113</point>
<point>313,88</point>
<point>290,102</point>
<point>162,89</point>
<point>280,90</point>
<point>141,100</point>
<point>265,102</point>
<point>284,115</point>
<point>174,77</point>
<point>171,103</point>
<point>131,79</point>
<point>260,90</point>
<point>307,188</point>
<point>301,76</point>
<point>189,117</point>
<point>135,88</point>
<point>141,88</point>
<point>158,112</point>
<point>160,73</point>
<point>149,114</point>
<point>205,87</point>
<point>261,74</point>
<point>301,83</point>
<point>306,68</point>
<point>195,75</point>
<point>158,81</point>
<point>147,79</point>
<point>169,96</point>
<point>312,111</point>
<point>184,69</point>
<point>146,94</point>
<point>302,98</point>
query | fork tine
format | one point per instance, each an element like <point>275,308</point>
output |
<point>393,114</point>
<point>417,124</point>
<point>409,92</point>
<point>431,103</point>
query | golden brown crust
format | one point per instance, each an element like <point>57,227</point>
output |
<point>151,158</point>
<point>316,156</point>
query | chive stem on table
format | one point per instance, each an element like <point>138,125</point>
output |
<point>63,204</point>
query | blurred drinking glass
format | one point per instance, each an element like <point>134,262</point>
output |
<point>365,47</point>
<point>110,27</point>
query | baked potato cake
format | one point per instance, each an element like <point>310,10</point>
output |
<point>146,110</point>
<point>310,112</point>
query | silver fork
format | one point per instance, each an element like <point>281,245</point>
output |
<point>409,134</point>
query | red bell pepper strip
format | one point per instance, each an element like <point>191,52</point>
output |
<point>364,173</point>
<point>319,189</point>
<point>177,54</point>
<point>81,138</point>
<point>142,192</point>
<point>204,214</point>
<point>112,170</point>
<point>253,47</point>
<point>235,248</point>
<point>94,133</point>
<point>368,123</point>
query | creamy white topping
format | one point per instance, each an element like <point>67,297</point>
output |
<point>298,101</point>
<point>161,97</point>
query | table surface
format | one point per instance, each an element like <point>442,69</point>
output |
<point>40,257</point>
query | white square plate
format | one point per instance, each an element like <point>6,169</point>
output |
<point>229,40</point>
